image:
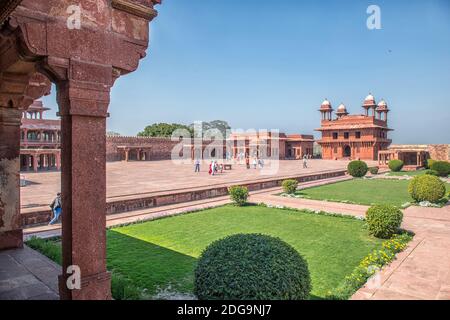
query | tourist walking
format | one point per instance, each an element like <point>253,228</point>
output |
<point>197,165</point>
<point>254,163</point>
<point>213,168</point>
<point>247,162</point>
<point>56,207</point>
<point>305,161</point>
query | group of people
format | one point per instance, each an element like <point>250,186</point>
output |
<point>215,168</point>
<point>256,163</point>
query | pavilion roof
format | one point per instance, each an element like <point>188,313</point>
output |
<point>39,124</point>
<point>352,126</point>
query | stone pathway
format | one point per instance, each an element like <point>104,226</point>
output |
<point>423,270</point>
<point>27,275</point>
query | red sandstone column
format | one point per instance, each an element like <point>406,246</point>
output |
<point>10,226</point>
<point>35,163</point>
<point>27,162</point>
<point>58,161</point>
<point>83,110</point>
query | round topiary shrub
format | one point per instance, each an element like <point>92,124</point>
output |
<point>395,165</point>
<point>251,267</point>
<point>441,167</point>
<point>383,220</point>
<point>426,188</point>
<point>238,195</point>
<point>357,168</point>
<point>289,186</point>
<point>373,170</point>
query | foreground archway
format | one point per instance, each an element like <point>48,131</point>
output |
<point>83,62</point>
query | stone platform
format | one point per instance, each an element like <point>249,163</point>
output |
<point>141,185</point>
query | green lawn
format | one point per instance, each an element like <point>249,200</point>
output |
<point>362,191</point>
<point>163,253</point>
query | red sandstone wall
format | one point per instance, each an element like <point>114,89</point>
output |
<point>161,147</point>
<point>439,151</point>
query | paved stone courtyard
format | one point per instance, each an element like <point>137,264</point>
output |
<point>139,177</point>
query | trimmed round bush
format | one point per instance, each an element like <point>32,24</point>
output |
<point>373,170</point>
<point>289,185</point>
<point>251,267</point>
<point>426,188</point>
<point>441,167</point>
<point>395,165</point>
<point>238,195</point>
<point>383,220</point>
<point>357,168</point>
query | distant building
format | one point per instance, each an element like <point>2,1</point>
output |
<point>414,156</point>
<point>354,136</point>
<point>257,144</point>
<point>40,141</point>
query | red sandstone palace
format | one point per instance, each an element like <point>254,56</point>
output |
<point>354,136</point>
<point>40,140</point>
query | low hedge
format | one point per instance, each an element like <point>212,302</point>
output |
<point>383,220</point>
<point>357,168</point>
<point>251,267</point>
<point>238,195</point>
<point>374,170</point>
<point>441,167</point>
<point>289,185</point>
<point>432,172</point>
<point>426,188</point>
<point>429,163</point>
<point>395,165</point>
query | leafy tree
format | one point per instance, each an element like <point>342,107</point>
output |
<point>113,134</point>
<point>220,125</point>
<point>162,130</point>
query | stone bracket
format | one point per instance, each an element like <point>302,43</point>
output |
<point>134,9</point>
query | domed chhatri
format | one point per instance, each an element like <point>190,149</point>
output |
<point>382,105</point>
<point>326,110</point>
<point>326,104</point>
<point>341,110</point>
<point>370,104</point>
<point>382,110</point>
<point>370,97</point>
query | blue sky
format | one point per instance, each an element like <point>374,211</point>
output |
<point>269,64</point>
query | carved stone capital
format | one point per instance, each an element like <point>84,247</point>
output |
<point>135,8</point>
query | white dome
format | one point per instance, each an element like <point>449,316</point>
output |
<point>342,107</point>
<point>326,103</point>
<point>382,103</point>
<point>370,97</point>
